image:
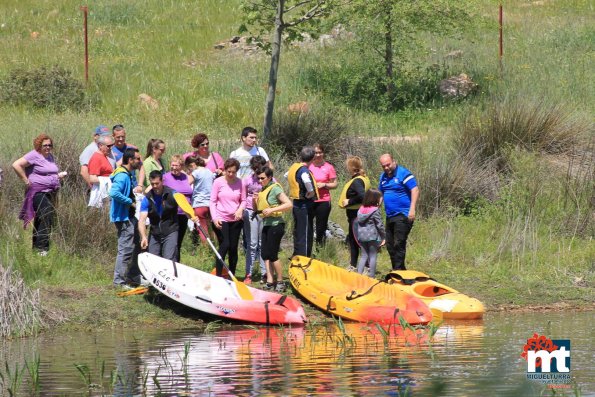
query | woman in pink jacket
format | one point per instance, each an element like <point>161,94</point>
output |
<point>227,206</point>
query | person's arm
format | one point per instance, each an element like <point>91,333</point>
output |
<point>285,205</point>
<point>85,174</point>
<point>414,198</point>
<point>19,168</point>
<point>117,189</point>
<point>240,211</point>
<point>142,229</point>
<point>213,204</point>
<point>308,183</point>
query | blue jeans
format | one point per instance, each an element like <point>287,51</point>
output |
<point>126,269</point>
<point>253,235</point>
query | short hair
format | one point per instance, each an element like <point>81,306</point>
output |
<point>198,139</point>
<point>199,161</point>
<point>153,143</point>
<point>257,162</point>
<point>178,158</point>
<point>155,174</point>
<point>231,163</point>
<point>117,127</point>
<point>129,154</point>
<point>103,138</point>
<point>38,141</point>
<point>268,171</point>
<point>307,154</point>
<point>372,197</point>
<point>355,165</point>
<point>248,130</point>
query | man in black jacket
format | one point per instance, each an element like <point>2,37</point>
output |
<point>161,208</point>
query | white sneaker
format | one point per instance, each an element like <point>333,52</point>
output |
<point>42,253</point>
<point>366,271</point>
<point>144,282</point>
<point>352,269</point>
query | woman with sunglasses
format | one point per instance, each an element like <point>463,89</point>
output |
<point>213,160</point>
<point>38,170</point>
<point>155,151</point>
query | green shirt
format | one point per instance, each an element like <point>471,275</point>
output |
<point>151,164</point>
<point>273,202</point>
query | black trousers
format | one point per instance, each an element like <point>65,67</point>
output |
<point>302,236</point>
<point>353,245</point>
<point>43,205</point>
<point>397,231</point>
<point>228,237</point>
<point>320,211</point>
<point>182,228</point>
<point>271,241</point>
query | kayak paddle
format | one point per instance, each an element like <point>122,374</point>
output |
<point>187,208</point>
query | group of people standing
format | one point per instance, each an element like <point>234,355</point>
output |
<point>230,196</point>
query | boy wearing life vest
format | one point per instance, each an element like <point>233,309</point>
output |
<point>303,192</point>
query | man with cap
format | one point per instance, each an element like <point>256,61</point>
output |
<point>90,150</point>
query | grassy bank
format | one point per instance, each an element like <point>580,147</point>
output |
<point>522,234</point>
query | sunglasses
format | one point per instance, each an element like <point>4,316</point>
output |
<point>109,146</point>
<point>262,178</point>
<point>204,144</point>
<point>47,145</point>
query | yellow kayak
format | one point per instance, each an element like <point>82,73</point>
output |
<point>452,303</point>
<point>352,296</point>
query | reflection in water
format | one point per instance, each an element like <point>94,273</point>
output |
<point>463,358</point>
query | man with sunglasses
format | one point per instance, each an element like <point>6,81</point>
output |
<point>101,165</point>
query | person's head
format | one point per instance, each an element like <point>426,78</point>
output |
<point>372,198</point>
<point>100,130</point>
<point>131,158</point>
<point>264,175</point>
<point>193,162</point>
<point>249,136</point>
<point>307,154</point>
<point>231,167</point>
<point>257,162</point>
<point>175,164</point>
<point>43,144</point>
<point>388,164</point>
<point>105,144</point>
<point>119,134</point>
<point>156,181</point>
<point>156,148</point>
<point>355,165</point>
<point>201,143</point>
<point>318,152</point>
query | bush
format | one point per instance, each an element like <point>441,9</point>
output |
<point>53,88</point>
<point>518,123</point>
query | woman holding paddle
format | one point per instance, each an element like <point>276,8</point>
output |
<point>227,207</point>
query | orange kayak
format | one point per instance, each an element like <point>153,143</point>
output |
<point>352,296</point>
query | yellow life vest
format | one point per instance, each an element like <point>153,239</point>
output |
<point>346,188</point>
<point>294,185</point>
<point>262,201</point>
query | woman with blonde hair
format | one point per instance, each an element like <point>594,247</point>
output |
<point>351,199</point>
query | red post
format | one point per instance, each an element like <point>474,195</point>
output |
<point>500,40</point>
<point>85,11</point>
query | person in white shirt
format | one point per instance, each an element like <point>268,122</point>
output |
<point>248,150</point>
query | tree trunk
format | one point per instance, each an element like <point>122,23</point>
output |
<point>388,56</point>
<point>274,70</point>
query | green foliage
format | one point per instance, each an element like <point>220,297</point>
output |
<point>54,88</point>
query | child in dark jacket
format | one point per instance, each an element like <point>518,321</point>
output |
<point>370,230</point>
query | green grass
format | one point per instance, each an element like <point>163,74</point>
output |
<point>530,242</point>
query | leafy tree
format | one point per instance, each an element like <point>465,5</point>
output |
<point>286,20</point>
<point>389,28</point>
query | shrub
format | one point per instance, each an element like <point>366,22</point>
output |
<point>52,88</point>
<point>518,123</point>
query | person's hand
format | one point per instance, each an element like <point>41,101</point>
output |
<point>217,223</point>
<point>138,189</point>
<point>382,243</point>
<point>345,202</point>
<point>144,243</point>
<point>238,214</point>
<point>310,194</point>
<point>320,185</point>
<point>411,215</point>
<point>266,212</point>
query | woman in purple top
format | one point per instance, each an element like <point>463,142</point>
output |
<point>177,179</point>
<point>227,207</point>
<point>253,224</point>
<point>213,160</point>
<point>39,172</point>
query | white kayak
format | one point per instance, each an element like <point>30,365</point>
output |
<point>218,296</point>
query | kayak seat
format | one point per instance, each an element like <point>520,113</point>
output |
<point>431,290</point>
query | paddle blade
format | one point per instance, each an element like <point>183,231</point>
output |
<point>184,204</point>
<point>243,290</point>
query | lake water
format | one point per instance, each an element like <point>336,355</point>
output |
<point>473,358</point>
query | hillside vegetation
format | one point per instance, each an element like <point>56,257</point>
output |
<point>506,175</point>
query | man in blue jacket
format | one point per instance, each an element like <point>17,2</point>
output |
<point>122,215</point>
<point>400,193</point>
